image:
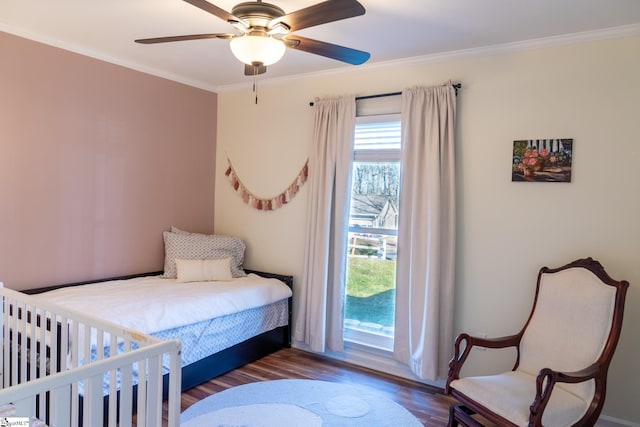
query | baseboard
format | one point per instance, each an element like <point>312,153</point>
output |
<point>378,360</point>
<point>606,421</point>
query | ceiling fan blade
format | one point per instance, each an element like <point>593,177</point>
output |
<point>183,38</point>
<point>334,51</point>
<point>214,10</point>
<point>320,13</point>
<point>254,70</point>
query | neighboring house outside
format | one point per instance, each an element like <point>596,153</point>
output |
<point>370,210</point>
<point>373,211</point>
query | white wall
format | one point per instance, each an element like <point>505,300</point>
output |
<point>588,91</point>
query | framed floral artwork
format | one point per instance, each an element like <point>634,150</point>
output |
<point>542,160</point>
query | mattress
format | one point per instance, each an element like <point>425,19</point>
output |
<point>153,304</point>
<point>206,316</point>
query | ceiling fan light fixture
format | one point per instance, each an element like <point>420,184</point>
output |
<point>252,48</point>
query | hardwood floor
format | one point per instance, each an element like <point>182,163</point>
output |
<point>426,403</point>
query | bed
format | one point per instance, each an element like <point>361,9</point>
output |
<point>195,261</point>
<point>243,329</point>
<point>47,378</point>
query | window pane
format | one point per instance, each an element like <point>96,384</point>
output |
<point>374,195</point>
<point>371,283</point>
<point>371,249</point>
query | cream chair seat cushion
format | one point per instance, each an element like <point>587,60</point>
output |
<point>510,394</point>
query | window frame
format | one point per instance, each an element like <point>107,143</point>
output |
<point>380,342</point>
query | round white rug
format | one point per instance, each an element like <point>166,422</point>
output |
<point>297,403</point>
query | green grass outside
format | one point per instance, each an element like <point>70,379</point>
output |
<point>369,276</point>
<point>371,290</point>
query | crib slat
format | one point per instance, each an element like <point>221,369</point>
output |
<point>92,401</point>
<point>99,344</point>
<point>85,339</point>
<point>60,401</point>
<point>75,348</point>
<point>14,347</point>
<point>126,395</point>
<point>53,344</point>
<point>32,353</point>
<point>69,363</point>
<point>5,339</point>
<point>175,387</point>
<point>24,339</point>
<point>142,392</point>
<point>6,355</point>
<point>154,392</point>
<point>41,362</point>
<point>75,405</point>
<point>113,385</point>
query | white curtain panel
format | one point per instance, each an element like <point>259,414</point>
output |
<point>426,232</point>
<point>320,308</point>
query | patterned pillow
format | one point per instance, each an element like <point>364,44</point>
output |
<point>183,245</point>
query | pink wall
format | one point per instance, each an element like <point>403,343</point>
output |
<point>96,160</point>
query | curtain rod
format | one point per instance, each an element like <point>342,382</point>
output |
<point>456,86</point>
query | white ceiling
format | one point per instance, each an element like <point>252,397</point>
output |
<point>390,30</point>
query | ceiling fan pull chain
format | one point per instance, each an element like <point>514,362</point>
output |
<point>255,85</point>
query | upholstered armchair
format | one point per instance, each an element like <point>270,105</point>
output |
<point>562,355</point>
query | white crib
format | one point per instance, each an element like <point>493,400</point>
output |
<point>51,368</point>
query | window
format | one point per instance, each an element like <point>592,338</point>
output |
<point>373,230</point>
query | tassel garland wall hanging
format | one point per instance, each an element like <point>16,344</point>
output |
<point>271,203</point>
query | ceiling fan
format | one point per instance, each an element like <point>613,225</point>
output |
<point>265,31</point>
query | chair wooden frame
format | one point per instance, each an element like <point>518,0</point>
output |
<point>547,378</point>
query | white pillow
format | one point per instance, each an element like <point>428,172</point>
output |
<point>203,270</point>
<point>183,245</point>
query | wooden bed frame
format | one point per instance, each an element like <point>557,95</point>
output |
<point>228,359</point>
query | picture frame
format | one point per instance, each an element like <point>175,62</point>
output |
<point>542,160</point>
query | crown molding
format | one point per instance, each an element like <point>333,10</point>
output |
<point>102,57</point>
<point>539,43</point>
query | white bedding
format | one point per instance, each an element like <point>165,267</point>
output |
<point>152,304</point>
